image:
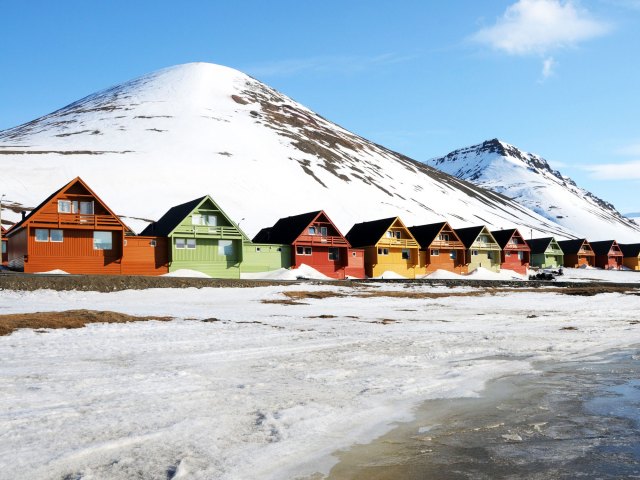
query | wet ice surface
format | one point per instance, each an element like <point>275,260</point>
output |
<point>572,420</point>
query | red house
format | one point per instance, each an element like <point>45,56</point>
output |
<point>73,230</point>
<point>608,254</point>
<point>516,253</point>
<point>4,246</point>
<point>315,242</point>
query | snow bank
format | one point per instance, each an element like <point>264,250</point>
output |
<point>389,275</point>
<point>56,271</point>
<point>187,273</point>
<point>482,273</point>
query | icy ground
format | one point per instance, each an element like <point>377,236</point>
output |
<point>237,388</point>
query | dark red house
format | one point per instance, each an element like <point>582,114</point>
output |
<point>315,242</point>
<point>516,254</point>
<point>608,254</point>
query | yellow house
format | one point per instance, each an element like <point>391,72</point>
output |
<point>388,247</point>
<point>631,258</point>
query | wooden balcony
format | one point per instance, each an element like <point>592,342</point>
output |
<point>485,246</point>
<point>231,233</point>
<point>451,244</point>
<point>398,243</point>
<point>77,220</point>
<point>521,247</point>
<point>329,240</point>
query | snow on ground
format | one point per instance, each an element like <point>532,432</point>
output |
<point>56,271</point>
<point>186,273</point>
<point>236,388</point>
<point>599,275</point>
<point>304,271</point>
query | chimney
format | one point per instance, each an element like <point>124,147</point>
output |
<point>24,214</point>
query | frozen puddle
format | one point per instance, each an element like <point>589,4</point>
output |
<point>571,420</point>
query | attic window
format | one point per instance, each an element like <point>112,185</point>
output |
<point>389,234</point>
<point>443,237</point>
<point>323,231</point>
<point>312,230</point>
<point>397,234</point>
<point>64,206</point>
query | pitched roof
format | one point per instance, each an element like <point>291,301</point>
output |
<point>468,235</point>
<point>503,236</point>
<point>426,234</point>
<point>18,225</point>
<point>603,247</point>
<point>630,249</point>
<point>286,230</point>
<point>571,246</point>
<point>170,220</point>
<point>366,234</point>
<point>539,245</point>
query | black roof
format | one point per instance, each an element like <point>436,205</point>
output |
<point>170,220</point>
<point>426,234</point>
<point>630,249</point>
<point>468,235</point>
<point>503,236</point>
<point>602,247</point>
<point>539,245</point>
<point>286,230</point>
<point>366,234</point>
<point>571,246</point>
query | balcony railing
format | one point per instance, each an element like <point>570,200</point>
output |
<point>398,242</point>
<point>322,240</point>
<point>447,244</point>
<point>517,246</point>
<point>206,230</point>
<point>60,220</point>
<point>486,245</point>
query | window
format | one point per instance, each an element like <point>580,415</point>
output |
<point>225,247</point>
<point>483,239</point>
<point>279,249</point>
<point>125,242</point>
<point>323,231</point>
<point>196,219</point>
<point>520,255</point>
<point>153,243</point>
<point>444,237</point>
<point>474,252</point>
<point>303,250</point>
<point>102,241</point>
<point>258,249</point>
<point>383,251</point>
<point>405,253</point>
<point>56,236</point>
<point>397,234</point>
<point>389,234</point>
<point>4,247</point>
<point>507,254</point>
<point>181,242</point>
<point>312,230</point>
<point>86,208</point>
<point>354,254</point>
<point>513,241</point>
<point>490,255</point>
<point>42,235</point>
<point>210,220</point>
<point>191,243</point>
<point>435,252</point>
<point>307,250</point>
<point>453,254</point>
<point>334,254</point>
<point>64,206</point>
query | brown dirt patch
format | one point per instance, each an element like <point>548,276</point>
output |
<point>67,319</point>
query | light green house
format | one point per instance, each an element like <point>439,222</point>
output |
<point>203,238</point>
<point>546,253</point>
<point>482,250</point>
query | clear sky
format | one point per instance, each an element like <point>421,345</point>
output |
<point>559,78</point>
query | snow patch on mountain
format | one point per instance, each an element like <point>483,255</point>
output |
<point>529,180</point>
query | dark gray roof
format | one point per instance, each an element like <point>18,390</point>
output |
<point>571,246</point>
<point>426,234</point>
<point>630,249</point>
<point>602,247</point>
<point>468,235</point>
<point>539,245</point>
<point>503,236</point>
<point>366,234</point>
<point>286,230</point>
<point>170,220</point>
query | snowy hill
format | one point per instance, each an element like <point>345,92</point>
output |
<point>189,130</point>
<point>529,180</point>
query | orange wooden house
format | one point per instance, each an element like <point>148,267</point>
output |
<point>577,253</point>
<point>516,254</point>
<point>75,231</point>
<point>4,246</point>
<point>607,254</point>
<point>440,248</point>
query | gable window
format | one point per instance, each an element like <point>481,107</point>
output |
<point>383,251</point>
<point>443,237</point>
<point>405,253</point>
<point>453,254</point>
<point>397,234</point>
<point>225,247</point>
<point>86,208</point>
<point>334,253</point>
<point>312,230</point>
<point>483,239</point>
<point>56,236</point>
<point>64,206</point>
<point>323,231</point>
<point>191,243</point>
<point>102,240</point>
<point>181,242</point>
<point>196,219</point>
<point>435,252</point>
<point>389,234</point>
<point>514,241</point>
<point>42,235</point>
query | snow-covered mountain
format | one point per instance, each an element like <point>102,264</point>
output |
<point>529,180</point>
<point>195,129</point>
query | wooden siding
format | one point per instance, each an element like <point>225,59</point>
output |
<point>486,258</point>
<point>141,257</point>
<point>377,264</point>
<point>319,259</point>
<point>206,258</point>
<point>430,263</point>
<point>631,262</point>
<point>573,260</point>
<point>17,250</point>
<point>264,257</point>
<point>510,261</point>
<point>355,264</point>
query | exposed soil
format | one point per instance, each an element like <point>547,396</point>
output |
<point>67,319</point>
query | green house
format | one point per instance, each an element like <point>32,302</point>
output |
<point>546,253</point>
<point>482,249</point>
<point>203,238</point>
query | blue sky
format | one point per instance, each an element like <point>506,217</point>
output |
<point>555,77</point>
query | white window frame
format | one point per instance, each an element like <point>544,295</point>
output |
<point>303,251</point>
<point>196,219</point>
<point>51,236</point>
<point>64,202</point>
<point>41,230</point>
<point>95,247</point>
<point>182,245</point>
<point>335,250</point>
<point>191,243</point>
<point>92,209</point>
<point>324,231</point>
<point>397,234</point>
<point>308,251</point>
<point>258,249</point>
<point>435,252</point>
<point>312,230</point>
<point>222,247</point>
<point>389,234</point>
<point>152,243</point>
<point>443,237</point>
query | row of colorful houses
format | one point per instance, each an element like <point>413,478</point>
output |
<point>75,231</point>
